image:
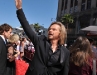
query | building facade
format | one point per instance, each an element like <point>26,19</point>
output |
<point>84,12</point>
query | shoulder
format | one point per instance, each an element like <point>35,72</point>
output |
<point>1,41</point>
<point>0,38</point>
<point>42,37</point>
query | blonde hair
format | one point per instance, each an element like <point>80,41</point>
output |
<point>63,32</point>
<point>14,38</point>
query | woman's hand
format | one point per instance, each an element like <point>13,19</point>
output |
<point>17,53</point>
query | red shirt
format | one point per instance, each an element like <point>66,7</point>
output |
<point>84,70</point>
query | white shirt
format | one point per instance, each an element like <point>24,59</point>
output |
<point>18,50</point>
<point>3,38</point>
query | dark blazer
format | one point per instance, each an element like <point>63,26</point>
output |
<point>3,57</point>
<point>38,65</point>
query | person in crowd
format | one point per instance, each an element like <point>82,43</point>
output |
<point>26,41</point>
<point>30,42</point>
<point>94,49</point>
<point>81,58</point>
<point>5,32</point>
<point>13,54</point>
<point>13,41</point>
<point>51,57</point>
<point>22,46</point>
<point>30,47</point>
<point>18,48</point>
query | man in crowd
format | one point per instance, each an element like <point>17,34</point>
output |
<point>5,32</point>
<point>51,57</point>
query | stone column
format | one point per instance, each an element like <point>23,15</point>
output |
<point>59,9</point>
<point>77,25</point>
<point>68,7</point>
<point>79,5</point>
<point>93,3</point>
<point>64,5</point>
<point>86,5</point>
<point>91,19</point>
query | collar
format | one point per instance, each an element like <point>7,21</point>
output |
<point>58,47</point>
<point>3,38</point>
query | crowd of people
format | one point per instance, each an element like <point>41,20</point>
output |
<point>15,46</point>
<point>51,57</point>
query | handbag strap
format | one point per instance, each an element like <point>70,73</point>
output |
<point>94,67</point>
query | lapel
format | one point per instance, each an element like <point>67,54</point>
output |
<point>6,41</point>
<point>47,47</point>
<point>3,43</point>
<point>62,54</point>
<point>2,40</point>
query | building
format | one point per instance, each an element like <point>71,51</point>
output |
<point>84,12</point>
<point>18,31</point>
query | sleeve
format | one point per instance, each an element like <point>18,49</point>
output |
<point>66,65</point>
<point>96,66</point>
<point>28,30</point>
<point>0,47</point>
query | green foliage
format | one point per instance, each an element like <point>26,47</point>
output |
<point>21,27</point>
<point>36,26</point>
<point>67,18</point>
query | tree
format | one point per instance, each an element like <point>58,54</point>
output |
<point>37,27</point>
<point>21,27</point>
<point>67,19</point>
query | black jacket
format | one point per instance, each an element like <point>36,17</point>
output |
<point>3,57</point>
<point>38,65</point>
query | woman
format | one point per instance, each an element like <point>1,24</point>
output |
<point>12,54</point>
<point>81,58</point>
<point>22,46</point>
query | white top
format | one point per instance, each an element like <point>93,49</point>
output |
<point>18,50</point>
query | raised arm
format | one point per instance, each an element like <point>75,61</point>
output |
<point>21,16</point>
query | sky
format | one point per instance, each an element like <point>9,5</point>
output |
<point>36,11</point>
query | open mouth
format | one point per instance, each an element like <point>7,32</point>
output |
<point>50,34</point>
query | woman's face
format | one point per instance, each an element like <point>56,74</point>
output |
<point>16,42</point>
